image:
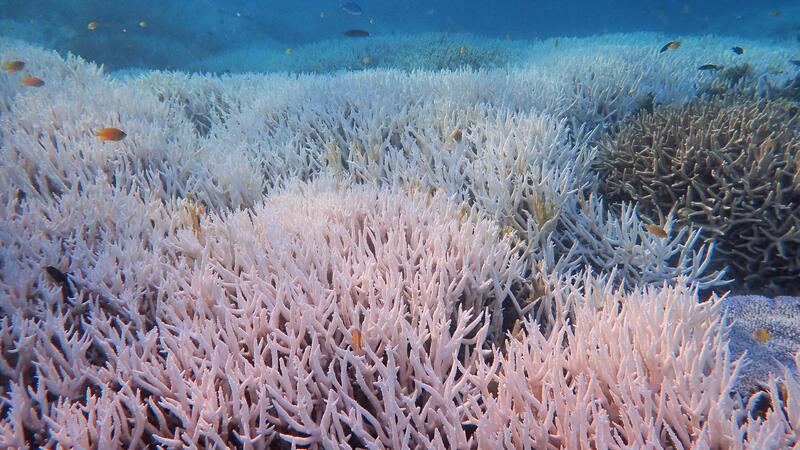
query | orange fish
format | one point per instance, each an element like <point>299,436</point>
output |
<point>762,335</point>
<point>13,66</point>
<point>92,26</point>
<point>110,134</point>
<point>462,50</point>
<point>142,24</point>
<point>456,135</point>
<point>355,336</point>
<point>657,230</point>
<point>366,60</point>
<point>289,50</point>
<point>31,81</point>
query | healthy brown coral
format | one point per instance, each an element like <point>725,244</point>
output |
<point>730,165</point>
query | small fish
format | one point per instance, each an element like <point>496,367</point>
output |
<point>656,230</point>
<point>62,279</point>
<point>371,20</point>
<point>356,33</point>
<point>671,45</point>
<point>13,66</point>
<point>110,134</point>
<point>738,50</point>
<point>462,50</point>
<point>289,50</point>
<point>238,14</point>
<point>456,135</point>
<point>124,30</point>
<point>322,14</point>
<point>509,232</point>
<point>92,26</point>
<point>351,8</point>
<point>762,335</point>
<point>57,275</point>
<point>355,336</point>
<point>31,81</point>
<point>366,60</point>
<point>775,12</point>
<point>795,62</point>
<point>142,24</point>
<point>709,67</point>
<point>769,144</point>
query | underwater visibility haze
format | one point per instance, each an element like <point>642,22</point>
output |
<point>399,225</point>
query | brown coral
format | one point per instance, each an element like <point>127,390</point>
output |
<point>728,164</point>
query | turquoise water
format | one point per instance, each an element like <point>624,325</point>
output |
<point>199,35</point>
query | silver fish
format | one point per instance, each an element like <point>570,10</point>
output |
<point>351,8</point>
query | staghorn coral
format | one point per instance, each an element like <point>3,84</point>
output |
<point>252,342</point>
<point>217,298</point>
<point>648,368</point>
<point>728,165</point>
<point>506,163</point>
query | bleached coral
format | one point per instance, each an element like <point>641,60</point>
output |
<point>642,369</point>
<point>323,261</point>
<point>253,339</point>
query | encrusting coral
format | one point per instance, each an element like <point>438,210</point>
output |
<point>730,165</point>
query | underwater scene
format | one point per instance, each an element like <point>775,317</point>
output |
<point>372,224</point>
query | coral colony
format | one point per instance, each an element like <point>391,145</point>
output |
<point>533,257</point>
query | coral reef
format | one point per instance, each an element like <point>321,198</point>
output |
<point>249,339</point>
<point>729,165</point>
<point>276,261</point>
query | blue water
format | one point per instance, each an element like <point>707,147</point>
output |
<point>184,34</point>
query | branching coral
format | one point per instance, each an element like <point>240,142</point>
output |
<point>356,299</point>
<point>253,343</point>
<point>729,165</point>
<point>642,369</point>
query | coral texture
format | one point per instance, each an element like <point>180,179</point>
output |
<point>642,369</point>
<point>767,352</point>
<point>731,166</point>
<point>251,337</point>
<point>323,261</point>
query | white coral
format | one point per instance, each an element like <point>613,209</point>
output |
<point>642,369</point>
